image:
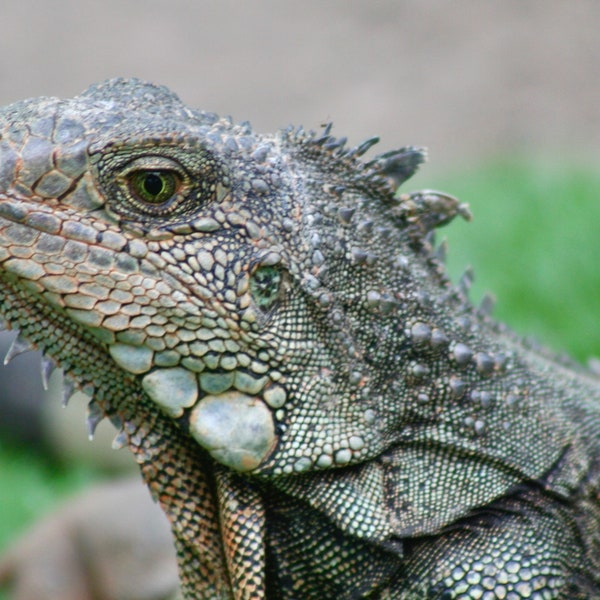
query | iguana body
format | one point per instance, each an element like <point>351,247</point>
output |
<point>317,410</point>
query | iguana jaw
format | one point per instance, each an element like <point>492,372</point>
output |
<point>230,414</point>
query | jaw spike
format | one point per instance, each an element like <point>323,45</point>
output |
<point>94,415</point>
<point>19,346</point>
<point>47,368</point>
<point>68,391</point>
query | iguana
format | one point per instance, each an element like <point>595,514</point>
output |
<point>317,409</point>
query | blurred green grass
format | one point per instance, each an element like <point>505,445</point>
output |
<point>31,485</point>
<point>534,243</point>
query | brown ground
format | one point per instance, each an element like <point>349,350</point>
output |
<point>465,78</point>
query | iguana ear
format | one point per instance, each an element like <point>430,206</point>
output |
<point>396,166</point>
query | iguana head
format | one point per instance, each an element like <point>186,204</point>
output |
<point>251,286</point>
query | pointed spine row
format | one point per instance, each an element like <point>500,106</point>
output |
<point>382,175</point>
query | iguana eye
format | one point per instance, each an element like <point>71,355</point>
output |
<point>153,186</point>
<point>157,183</point>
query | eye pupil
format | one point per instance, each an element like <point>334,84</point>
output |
<point>153,184</point>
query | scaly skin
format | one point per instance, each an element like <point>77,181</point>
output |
<point>317,410</point>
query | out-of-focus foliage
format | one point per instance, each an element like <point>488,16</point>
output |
<point>534,243</point>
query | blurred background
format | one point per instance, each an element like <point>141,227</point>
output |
<point>506,96</point>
